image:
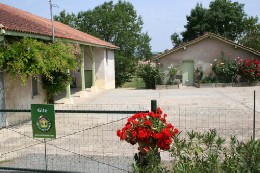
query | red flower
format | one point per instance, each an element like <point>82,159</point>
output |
<point>150,128</point>
<point>133,133</point>
<point>176,131</point>
<point>159,111</point>
<point>148,123</point>
<point>142,134</point>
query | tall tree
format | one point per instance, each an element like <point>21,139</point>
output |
<point>120,25</point>
<point>143,49</point>
<point>251,35</point>
<point>223,17</point>
<point>226,18</point>
<point>196,23</point>
<point>67,18</point>
<point>176,40</point>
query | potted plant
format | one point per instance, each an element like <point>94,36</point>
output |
<point>150,130</point>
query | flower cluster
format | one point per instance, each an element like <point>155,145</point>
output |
<point>150,128</point>
<point>250,70</point>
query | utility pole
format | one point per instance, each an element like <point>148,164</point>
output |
<point>52,21</point>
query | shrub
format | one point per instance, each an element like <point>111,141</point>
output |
<point>151,75</point>
<point>154,165</point>
<point>206,152</point>
<point>208,79</point>
<point>172,74</point>
<point>225,69</point>
<point>249,70</point>
<point>242,156</point>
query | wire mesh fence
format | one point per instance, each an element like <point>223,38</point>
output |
<point>227,122</point>
<point>87,142</point>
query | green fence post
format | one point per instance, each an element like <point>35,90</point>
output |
<point>153,105</point>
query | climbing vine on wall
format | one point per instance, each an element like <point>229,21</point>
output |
<point>30,57</point>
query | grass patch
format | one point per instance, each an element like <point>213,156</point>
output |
<point>135,83</point>
<point>4,161</point>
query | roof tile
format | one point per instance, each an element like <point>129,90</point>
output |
<point>18,20</point>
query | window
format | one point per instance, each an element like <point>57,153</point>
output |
<point>34,86</point>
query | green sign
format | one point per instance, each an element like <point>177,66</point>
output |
<point>43,121</point>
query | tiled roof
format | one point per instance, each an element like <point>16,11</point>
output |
<point>206,35</point>
<point>18,20</point>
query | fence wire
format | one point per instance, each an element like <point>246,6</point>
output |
<point>87,142</point>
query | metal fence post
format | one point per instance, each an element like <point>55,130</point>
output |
<point>153,105</point>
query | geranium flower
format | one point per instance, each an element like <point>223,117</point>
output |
<point>150,127</point>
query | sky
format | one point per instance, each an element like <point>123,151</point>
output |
<point>161,17</point>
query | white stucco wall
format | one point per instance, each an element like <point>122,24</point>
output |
<point>203,54</point>
<point>19,96</point>
<point>100,67</point>
<point>104,67</point>
<point>110,69</point>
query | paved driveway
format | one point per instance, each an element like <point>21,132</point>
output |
<point>229,97</point>
<point>88,142</point>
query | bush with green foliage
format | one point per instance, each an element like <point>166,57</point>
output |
<point>29,57</point>
<point>151,74</point>
<point>153,166</point>
<point>207,152</point>
<point>225,69</point>
<point>199,153</point>
<point>208,79</point>
<point>172,72</point>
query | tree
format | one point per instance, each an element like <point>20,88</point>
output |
<point>223,17</point>
<point>67,18</point>
<point>176,40</point>
<point>226,18</point>
<point>251,35</point>
<point>143,49</point>
<point>120,25</point>
<point>196,23</point>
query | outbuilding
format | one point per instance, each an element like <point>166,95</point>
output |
<point>200,53</point>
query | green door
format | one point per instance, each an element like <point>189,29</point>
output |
<point>88,78</point>
<point>187,72</point>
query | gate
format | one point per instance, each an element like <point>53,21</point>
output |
<point>86,142</point>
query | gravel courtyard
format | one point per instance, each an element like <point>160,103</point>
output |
<point>88,143</point>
